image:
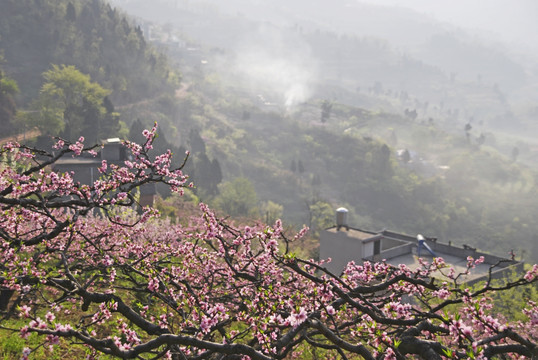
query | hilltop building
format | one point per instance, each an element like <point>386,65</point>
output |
<point>343,244</point>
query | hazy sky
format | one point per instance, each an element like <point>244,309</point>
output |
<point>512,20</point>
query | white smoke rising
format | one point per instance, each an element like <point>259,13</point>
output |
<point>280,62</point>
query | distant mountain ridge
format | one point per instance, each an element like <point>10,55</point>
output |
<point>396,41</point>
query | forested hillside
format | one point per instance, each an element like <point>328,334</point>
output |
<point>463,181</point>
<point>92,35</point>
<point>268,152</point>
<point>8,108</point>
<point>450,186</point>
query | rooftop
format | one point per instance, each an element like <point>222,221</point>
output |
<point>356,233</point>
<point>343,244</point>
<point>458,263</point>
<point>82,161</point>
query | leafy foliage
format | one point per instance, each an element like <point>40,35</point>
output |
<point>8,109</point>
<point>92,35</point>
<point>237,198</point>
<point>72,105</point>
<point>448,188</point>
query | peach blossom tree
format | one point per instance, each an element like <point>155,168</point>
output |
<point>84,265</point>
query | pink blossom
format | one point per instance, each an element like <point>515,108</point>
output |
<point>193,275</point>
<point>24,332</point>
<point>102,169</point>
<point>390,354</point>
<point>50,317</point>
<point>59,144</point>
<point>531,274</point>
<point>78,146</point>
<point>25,310</point>
<point>53,339</point>
<point>26,353</point>
<point>153,284</point>
<point>296,319</point>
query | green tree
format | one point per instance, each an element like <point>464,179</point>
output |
<point>91,35</point>
<point>135,132</point>
<point>237,198</point>
<point>321,216</point>
<point>110,123</point>
<point>326,108</point>
<point>207,174</point>
<point>71,104</point>
<point>8,88</point>
<point>70,14</point>
<point>381,161</point>
<point>196,142</point>
<point>300,167</point>
<point>217,171</point>
<point>271,211</point>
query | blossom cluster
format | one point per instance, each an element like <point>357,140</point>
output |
<point>78,262</point>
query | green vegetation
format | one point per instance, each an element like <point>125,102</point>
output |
<point>237,198</point>
<point>452,189</point>
<point>71,105</point>
<point>8,109</point>
<point>509,303</point>
<point>91,35</point>
<point>261,159</point>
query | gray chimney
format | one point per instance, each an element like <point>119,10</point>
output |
<point>341,218</point>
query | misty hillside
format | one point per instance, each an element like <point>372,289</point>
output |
<point>291,118</point>
<point>303,47</point>
<point>272,75</point>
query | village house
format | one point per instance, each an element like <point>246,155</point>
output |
<point>343,244</point>
<point>85,167</point>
